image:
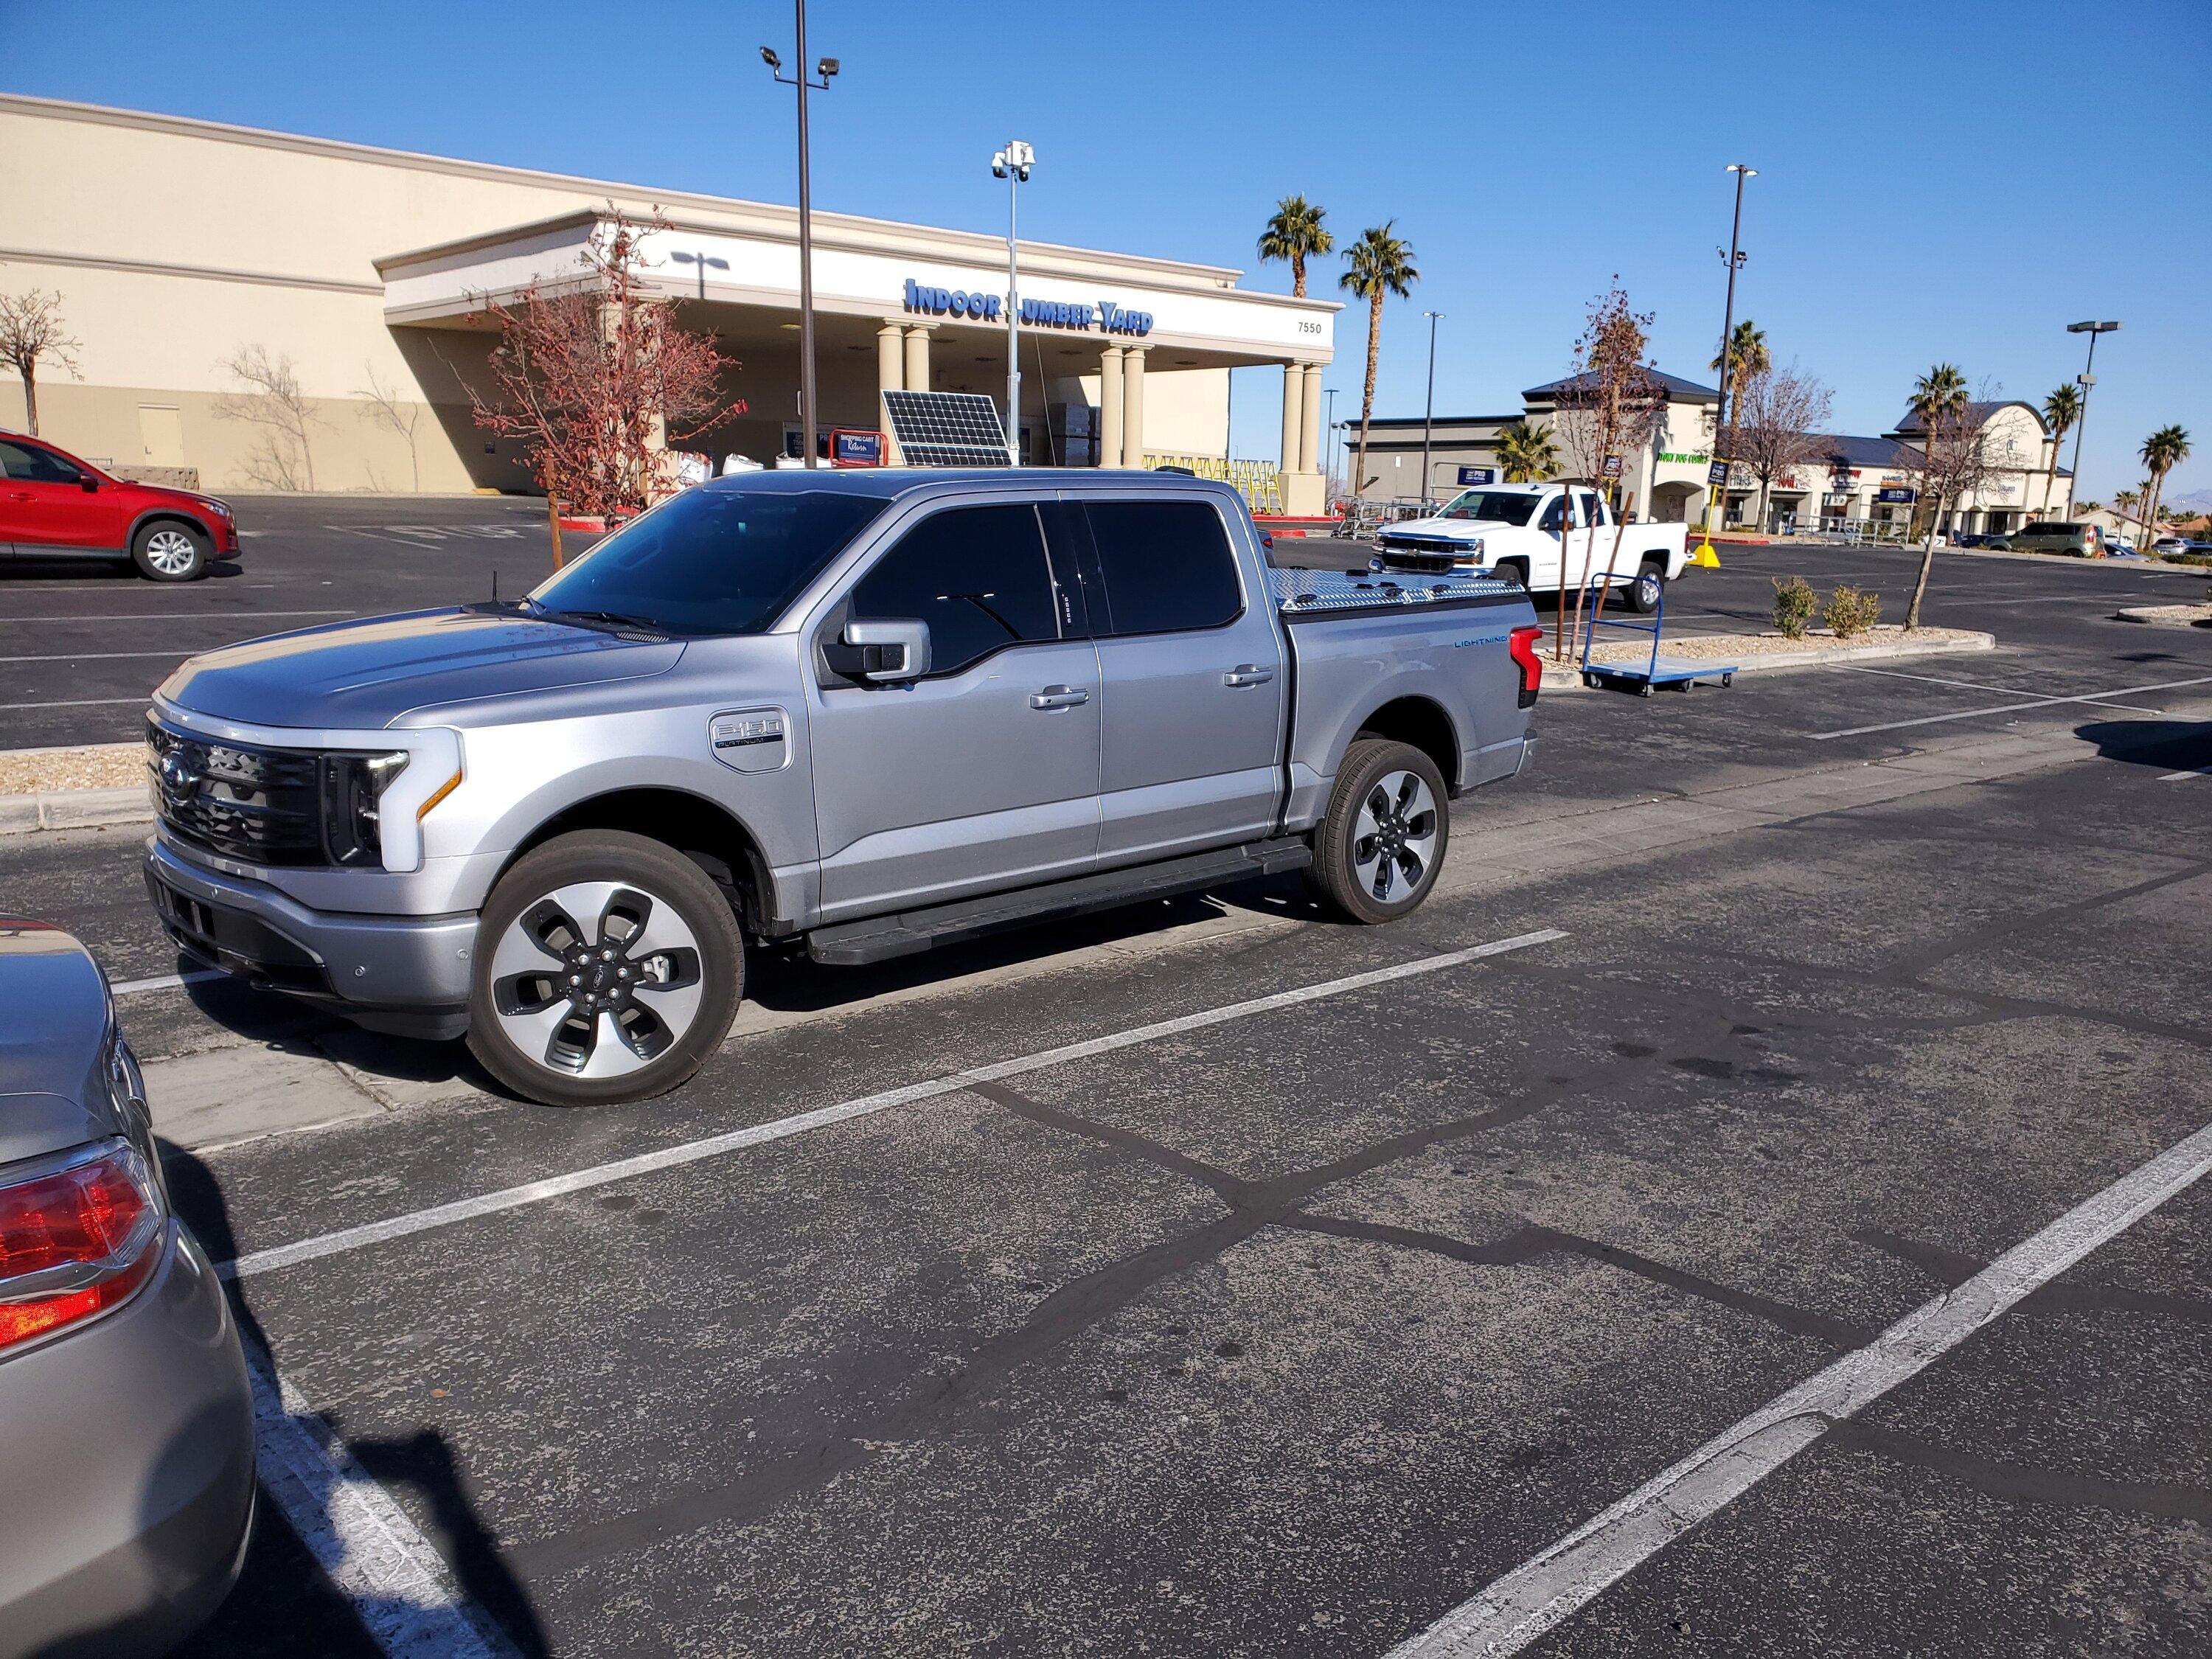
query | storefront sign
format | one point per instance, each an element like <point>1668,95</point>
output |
<point>1896,495</point>
<point>1717,474</point>
<point>1684,460</point>
<point>1106,316</point>
<point>1478,475</point>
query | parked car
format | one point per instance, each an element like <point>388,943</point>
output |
<point>127,1455</point>
<point>2082,541</point>
<point>1524,533</point>
<point>858,713</point>
<point>2169,544</point>
<point>53,503</point>
<point>2117,548</point>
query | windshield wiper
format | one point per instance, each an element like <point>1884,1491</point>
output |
<point>615,618</point>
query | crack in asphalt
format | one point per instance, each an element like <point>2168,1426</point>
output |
<point>2016,1483</point>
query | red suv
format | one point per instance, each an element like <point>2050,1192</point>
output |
<point>52,502</point>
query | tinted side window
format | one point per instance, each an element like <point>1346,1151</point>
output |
<point>1586,509</point>
<point>977,575</point>
<point>1167,564</point>
<point>1555,513</point>
<point>21,461</point>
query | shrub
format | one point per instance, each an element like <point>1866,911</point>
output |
<point>1793,606</point>
<point>1851,610</point>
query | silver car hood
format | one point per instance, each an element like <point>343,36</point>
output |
<point>53,1043</point>
<point>366,674</point>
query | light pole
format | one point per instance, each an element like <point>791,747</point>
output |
<point>1328,425</point>
<point>826,68</point>
<point>701,260</point>
<point>1429,411</point>
<point>1012,164</point>
<point>2085,380</point>
<point>1735,257</point>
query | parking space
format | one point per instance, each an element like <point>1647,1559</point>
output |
<point>1207,1278</point>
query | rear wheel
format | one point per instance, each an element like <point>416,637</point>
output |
<point>168,551</point>
<point>1382,841</point>
<point>1643,592</point>
<point>1511,571</point>
<point>608,967</point>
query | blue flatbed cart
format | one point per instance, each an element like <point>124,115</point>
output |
<point>1644,676</point>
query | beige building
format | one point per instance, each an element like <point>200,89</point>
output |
<point>185,250</point>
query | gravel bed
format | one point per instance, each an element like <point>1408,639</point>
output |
<point>92,766</point>
<point>2171,615</point>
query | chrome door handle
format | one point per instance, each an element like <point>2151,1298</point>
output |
<point>1248,673</point>
<point>1059,696</point>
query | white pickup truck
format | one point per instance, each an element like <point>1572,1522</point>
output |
<point>1523,531</point>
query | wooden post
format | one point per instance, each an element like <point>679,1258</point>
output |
<point>553,519</point>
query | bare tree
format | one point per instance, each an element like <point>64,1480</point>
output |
<point>1953,460</point>
<point>1778,413</point>
<point>1610,404</point>
<point>31,329</point>
<point>386,410</point>
<point>271,399</point>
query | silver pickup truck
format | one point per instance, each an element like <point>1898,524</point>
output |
<point>858,713</point>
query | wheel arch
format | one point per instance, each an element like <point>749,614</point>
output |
<point>1421,721</point>
<point>702,831</point>
<point>167,514</point>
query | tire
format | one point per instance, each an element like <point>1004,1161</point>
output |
<point>1386,793</point>
<point>628,1022</point>
<point>167,551</point>
<point>1511,571</point>
<point>1644,592</point>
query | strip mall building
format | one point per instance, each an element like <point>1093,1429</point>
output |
<point>176,246</point>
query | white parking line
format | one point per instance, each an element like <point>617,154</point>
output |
<point>74,703</point>
<point>693,1151</point>
<point>2195,772</point>
<point>1966,685</point>
<point>2012,707</point>
<point>1540,1593</point>
<point>176,615</point>
<point>131,987</point>
<point>398,1582</point>
<point>95,656</point>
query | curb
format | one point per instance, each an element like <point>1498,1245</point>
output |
<point>74,809</point>
<point>1572,679</point>
<point>2148,615</point>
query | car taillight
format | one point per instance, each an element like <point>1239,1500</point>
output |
<point>1523,649</point>
<point>78,1235</point>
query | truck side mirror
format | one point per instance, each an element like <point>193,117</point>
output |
<point>888,651</point>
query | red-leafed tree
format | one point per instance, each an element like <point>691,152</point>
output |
<point>595,378</point>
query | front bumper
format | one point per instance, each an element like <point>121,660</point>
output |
<point>406,974</point>
<point>129,1462</point>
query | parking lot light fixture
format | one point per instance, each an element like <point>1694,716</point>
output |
<point>1735,257</point>
<point>803,84</point>
<point>2085,379</point>
<point>1429,411</point>
<point>1012,164</point>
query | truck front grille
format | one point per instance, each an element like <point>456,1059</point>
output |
<point>259,805</point>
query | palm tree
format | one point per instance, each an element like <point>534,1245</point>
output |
<point>1746,357</point>
<point>2062,408</point>
<point>2164,449</point>
<point>1527,453</point>
<point>1939,397</point>
<point>1381,264</point>
<point>1296,232</point>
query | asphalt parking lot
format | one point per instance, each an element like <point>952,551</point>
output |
<point>1210,1278</point>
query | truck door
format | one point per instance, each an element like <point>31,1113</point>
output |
<point>983,773</point>
<point>1194,679</point>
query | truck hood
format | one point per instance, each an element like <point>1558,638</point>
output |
<point>1454,530</point>
<point>367,674</point>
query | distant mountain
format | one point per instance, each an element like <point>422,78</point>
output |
<point>2196,501</point>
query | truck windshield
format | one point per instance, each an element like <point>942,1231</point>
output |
<point>1498,506</point>
<point>711,560</point>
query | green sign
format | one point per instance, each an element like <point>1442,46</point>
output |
<point>1685,460</point>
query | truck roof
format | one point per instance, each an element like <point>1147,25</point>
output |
<point>892,480</point>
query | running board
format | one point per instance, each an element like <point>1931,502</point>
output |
<point>880,937</point>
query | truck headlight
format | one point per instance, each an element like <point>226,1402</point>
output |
<point>353,790</point>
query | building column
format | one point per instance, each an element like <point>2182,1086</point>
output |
<point>1310,440</point>
<point>1294,406</point>
<point>891,376</point>
<point>917,356</point>
<point>1109,407</point>
<point>1132,406</point>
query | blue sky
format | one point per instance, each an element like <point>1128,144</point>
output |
<point>1952,180</point>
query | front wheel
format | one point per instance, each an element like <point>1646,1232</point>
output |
<point>1383,840</point>
<point>608,967</point>
<point>170,552</point>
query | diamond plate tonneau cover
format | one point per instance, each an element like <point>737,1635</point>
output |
<point>1299,593</point>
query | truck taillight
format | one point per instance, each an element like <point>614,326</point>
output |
<point>78,1235</point>
<point>1523,649</point>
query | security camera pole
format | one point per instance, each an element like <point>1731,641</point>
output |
<point>825,69</point>
<point>1012,164</point>
<point>2085,379</point>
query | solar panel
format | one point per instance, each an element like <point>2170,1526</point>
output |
<point>947,428</point>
